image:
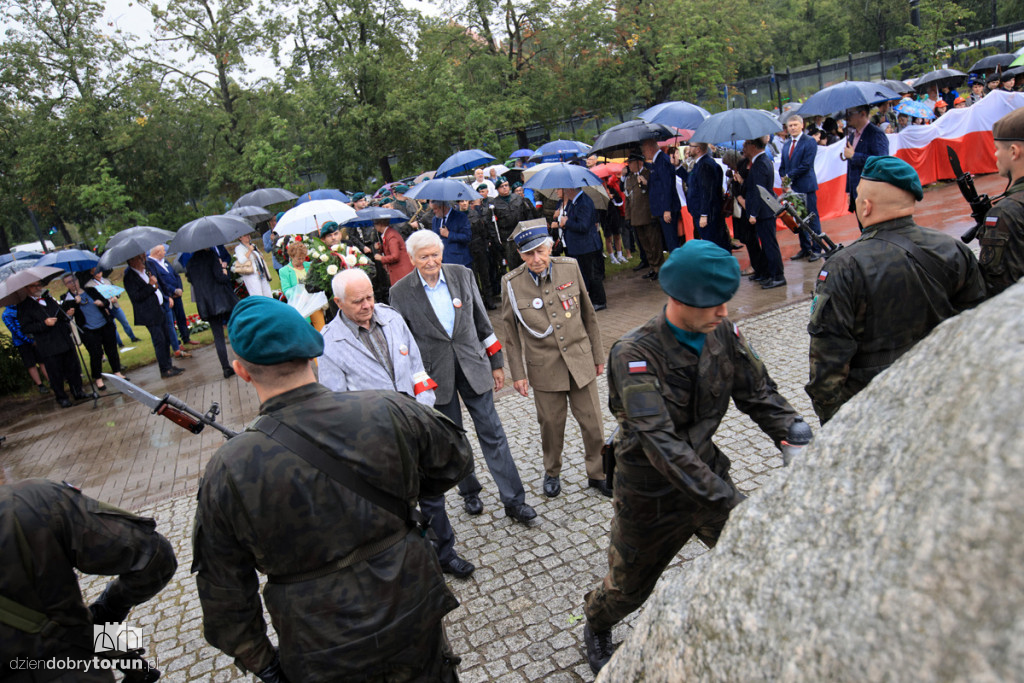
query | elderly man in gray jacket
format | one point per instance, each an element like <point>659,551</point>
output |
<point>368,346</point>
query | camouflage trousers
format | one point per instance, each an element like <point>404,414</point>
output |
<point>647,532</point>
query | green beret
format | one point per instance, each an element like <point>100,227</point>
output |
<point>895,172</point>
<point>516,184</point>
<point>700,274</point>
<point>401,189</point>
<point>278,216</point>
<point>499,181</point>
<point>266,331</point>
<point>329,227</point>
<point>357,196</point>
<point>482,186</point>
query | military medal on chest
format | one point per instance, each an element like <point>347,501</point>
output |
<point>538,303</point>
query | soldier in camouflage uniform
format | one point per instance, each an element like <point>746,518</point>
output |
<point>1002,236</point>
<point>669,385</point>
<point>885,292</point>
<point>47,531</point>
<point>355,592</point>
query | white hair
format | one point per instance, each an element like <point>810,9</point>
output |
<point>342,280</point>
<point>422,239</point>
<point>794,115</point>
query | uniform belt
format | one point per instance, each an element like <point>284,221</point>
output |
<point>361,553</point>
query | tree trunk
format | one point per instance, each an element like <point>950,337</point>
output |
<point>385,170</point>
<point>524,142</point>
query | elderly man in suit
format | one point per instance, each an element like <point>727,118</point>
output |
<point>453,227</point>
<point>762,174</point>
<point>704,198</point>
<point>150,306</point>
<point>863,140</point>
<point>369,347</point>
<point>550,321</point>
<point>442,307</point>
<point>662,193</point>
<point>171,288</point>
<point>577,217</point>
<point>798,154</point>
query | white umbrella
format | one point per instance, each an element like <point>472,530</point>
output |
<point>595,192</point>
<point>309,216</point>
<point>501,169</point>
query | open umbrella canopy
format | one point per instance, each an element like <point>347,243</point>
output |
<point>265,197</point>
<point>845,95</point>
<point>596,191</point>
<point>992,62</point>
<point>609,169</point>
<point>915,109</point>
<point>678,114</point>
<point>560,150</point>
<point>19,256</point>
<point>940,78</point>
<point>323,194</point>
<point>12,267</point>
<point>305,218</point>
<point>521,154</point>
<point>735,124</point>
<point>618,140</point>
<point>443,190</point>
<point>208,231</point>
<point>12,289</point>
<point>364,218</point>
<point>894,85</point>
<point>559,175</point>
<point>463,161</point>
<point>254,214</point>
<point>132,242</point>
<point>499,169</point>
<point>71,260</point>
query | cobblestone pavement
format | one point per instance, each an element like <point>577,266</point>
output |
<point>521,612</point>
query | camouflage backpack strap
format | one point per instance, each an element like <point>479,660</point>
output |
<point>17,615</point>
<point>937,270</point>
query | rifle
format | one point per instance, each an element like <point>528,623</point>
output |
<point>608,458</point>
<point>791,219</point>
<point>173,408</point>
<point>979,203</point>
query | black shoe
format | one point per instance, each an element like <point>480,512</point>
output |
<point>799,255</point>
<point>600,307</point>
<point>459,568</point>
<point>640,266</point>
<point>772,284</point>
<point>601,485</point>
<point>63,403</point>
<point>552,487</point>
<point>101,388</point>
<point>814,257</point>
<point>654,278</point>
<point>136,340</point>
<point>472,504</point>
<point>229,372</point>
<point>599,647</point>
<point>521,513</point>
<point>650,275</point>
<point>173,372</point>
<point>757,278</point>
<point>82,396</point>
<point>43,389</point>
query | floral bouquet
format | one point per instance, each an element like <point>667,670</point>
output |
<point>796,199</point>
<point>327,261</point>
<point>281,246</point>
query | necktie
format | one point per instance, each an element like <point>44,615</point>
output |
<point>792,146</point>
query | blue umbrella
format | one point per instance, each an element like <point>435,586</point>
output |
<point>443,190</point>
<point>845,95</point>
<point>460,162</point>
<point>562,175</point>
<point>323,194</point>
<point>521,153</point>
<point>71,260</point>
<point>560,150</point>
<point>19,256</point>
<point>736,124</point>
<point>365,217</point>
<point>915,109</point>
<point>677,114</point>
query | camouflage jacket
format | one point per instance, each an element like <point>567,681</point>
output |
<point>1002,241</point>
<point>669,404</point>
<point>47,531</point>
<point>262,507</point>
<point>873,302</point>
<point>509,213</point>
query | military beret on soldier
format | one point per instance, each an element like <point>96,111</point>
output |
<point>357,196</point>
<point>329,227</point>
<point>895,172</point>
<point>516,185</point>
<point>499,181</point>
<point>1010,128</point>
<point>266,331</point>
<point>482,186</point>
<point>401,188</point>
<point>700,274</point>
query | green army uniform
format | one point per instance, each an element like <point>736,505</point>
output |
<point>671,480</point>
<point>1002,241</point>
<point>47,532</point>
<point>263,507</point>
<point>873,301</point>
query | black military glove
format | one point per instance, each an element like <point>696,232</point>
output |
<point>797,438</point>
<point>273,672</point>
<point>109,608</point>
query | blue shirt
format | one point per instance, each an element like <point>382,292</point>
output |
<point>691,340</point>
<point>10,317</point>
<point>94,318</point>
<point>441,301</point>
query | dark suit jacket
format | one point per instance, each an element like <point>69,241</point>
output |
<point>580,227</point>
<point>167,279</point>
<point>211,286</point>
<point>762,174</point>
<point>439,351</point>
<point>148,310</point>
<point>872,143</point>
<point>50,341</point>
<point>800,167</point>
<point>704,189</point>
<point>456,244</point>
<point>662,189</point>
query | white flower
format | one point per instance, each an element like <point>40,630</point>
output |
<point>332,269</point>
<point>324,257</point>
<point>334,247</point>
<point>363,260</point>
<point>350,259</point>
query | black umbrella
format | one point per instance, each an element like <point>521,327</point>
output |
<point>132,242</point>
<point>209,231</point>
<point>619,140</point>
<point>265,197</point>
<point>736,124</point>
<point>940,78</point>
<point>1004,59</point>
<point>894,85</point>
<point>255,214</point>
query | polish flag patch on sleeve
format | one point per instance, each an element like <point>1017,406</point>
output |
<point>991,221</point>
<point>822,275</point>
<point>492,345</point>
<point>637,366</point>
<point>422,382</point>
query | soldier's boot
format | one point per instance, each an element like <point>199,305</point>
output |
<point>599,647</point>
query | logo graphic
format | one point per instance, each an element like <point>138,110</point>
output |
<point>114,637</point>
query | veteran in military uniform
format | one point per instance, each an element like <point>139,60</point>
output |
<point>47,532</point>
<point>885,292</point>
<point>669,386</point>
<point>354,589</point>
<point>1002,236</point>
<point>550,322</point>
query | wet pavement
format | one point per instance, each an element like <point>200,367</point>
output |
<point>520,618</point>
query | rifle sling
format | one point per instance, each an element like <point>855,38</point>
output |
<point>937,270</point>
